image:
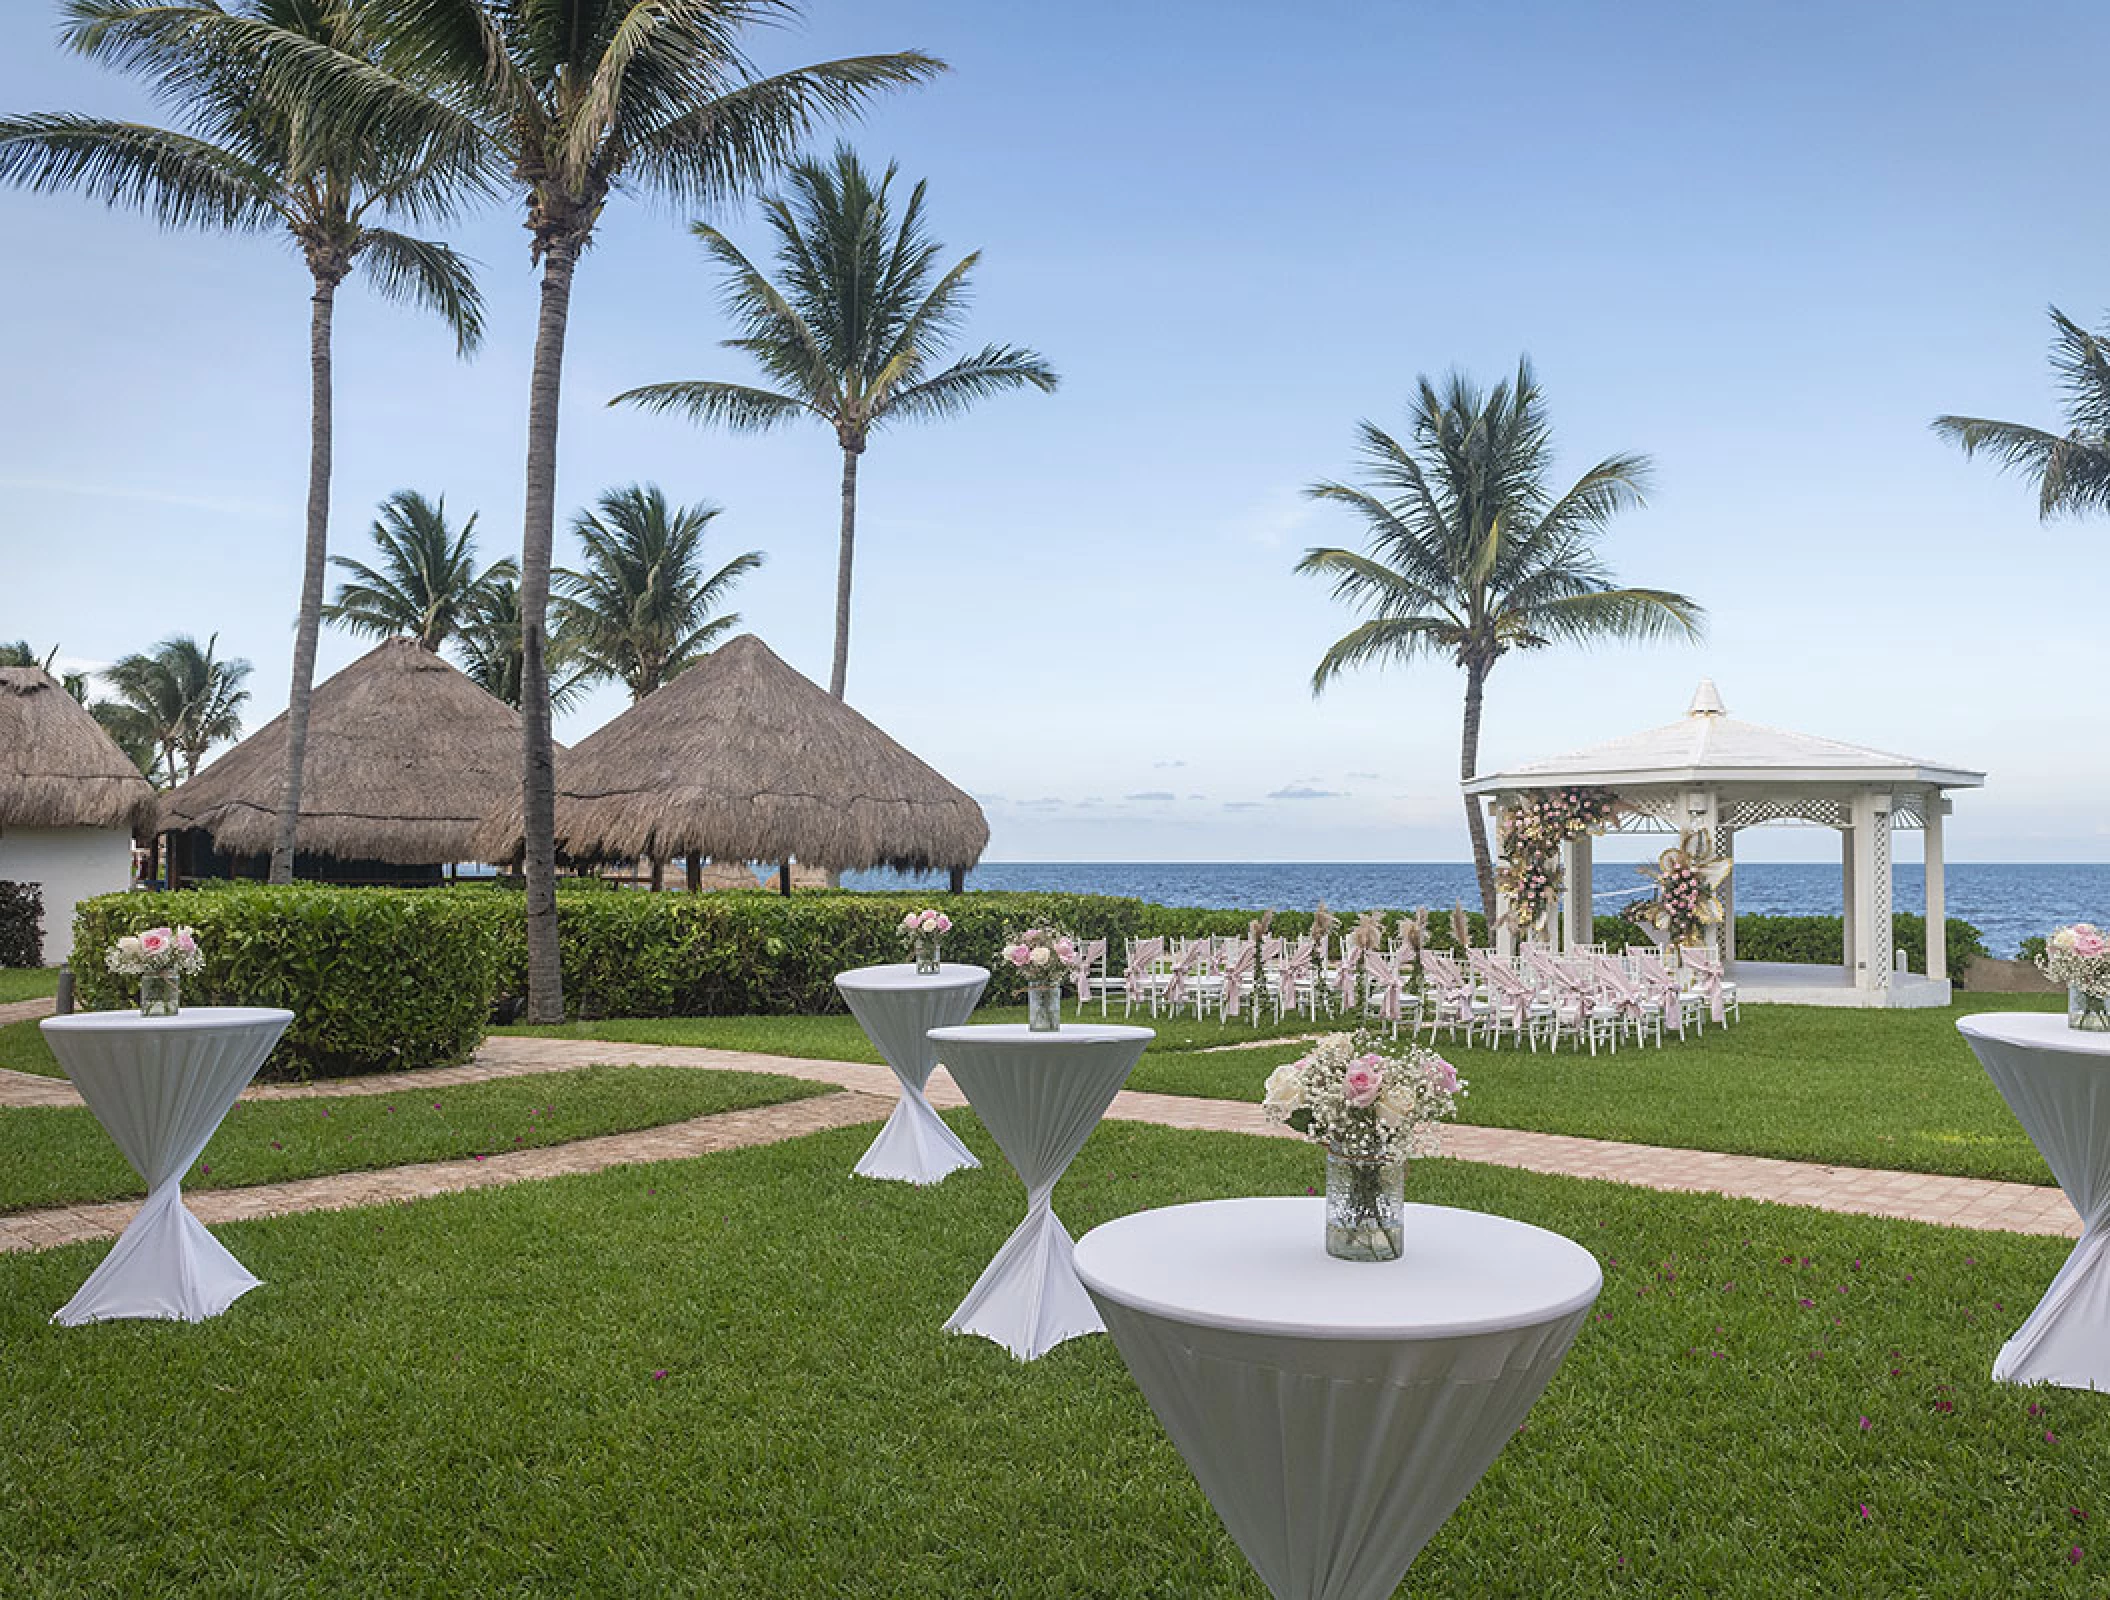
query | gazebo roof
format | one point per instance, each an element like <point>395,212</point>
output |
<point>58,769</point>
<point>740,758</point>
<point>405,757</point>
<point>1707,746</point>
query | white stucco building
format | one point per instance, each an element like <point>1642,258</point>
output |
<point>69,801</point>
<point>1710,774</point>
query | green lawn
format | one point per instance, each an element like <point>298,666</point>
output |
<point>726,1378</point>
<point>1861,1088</point>
<point>27,983</point>
<point>54,1156</point>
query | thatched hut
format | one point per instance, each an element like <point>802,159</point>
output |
<point>739,759</point>
<point>405,758</point>
<point>69,801</point>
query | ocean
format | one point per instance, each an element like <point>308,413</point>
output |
<point>2005,902</point>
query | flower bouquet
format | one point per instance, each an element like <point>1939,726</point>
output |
<point>159,958</point>
<point>1043,957</point>
<point>1686,904</point>
<point>921,931</point>
<point>2079,957</point>
<point>1373,1106</point>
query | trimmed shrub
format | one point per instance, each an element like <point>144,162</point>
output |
<point>21,924</point>
<point>1821,941</point>
<point>378,980</point>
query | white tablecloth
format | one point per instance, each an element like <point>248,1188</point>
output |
<point>159,1086</point>
<point>1039,1095</point>
<point>1335,1412</point>
<point>897,1007</point>
<point>2057,1082</point>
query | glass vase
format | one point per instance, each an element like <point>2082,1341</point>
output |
<point>1044,1007</point>
<point>1365,1208</point>
<point>2090,1013</point>
<point>160,994</point>
<point>927,962</point>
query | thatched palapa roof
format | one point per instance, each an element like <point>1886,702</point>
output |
<point>405,757</point>
<point>740,758</point>
<point>58,769</point>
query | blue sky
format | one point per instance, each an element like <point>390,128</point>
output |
<point>1763,244</point>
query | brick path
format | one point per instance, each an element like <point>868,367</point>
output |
<point>23,1010</point>
<point>1918,1197</point>
<point>727,1130</point>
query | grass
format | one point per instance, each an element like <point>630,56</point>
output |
<point>1808,1083</point>
<point>726,1377</point>
<point>27,983</point>
<point>59,1156</point>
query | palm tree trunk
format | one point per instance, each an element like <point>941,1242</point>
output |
<point>844,557</point>
<point>1468,767</point>
<point>538,774</point>
<point>314,568</point>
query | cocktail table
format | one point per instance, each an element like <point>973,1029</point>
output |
<point>159,1086</point>
<point>1039,1095</point>
<point>2056,1080</point>
<point>897,1006</point>
<point>1335,1412</point>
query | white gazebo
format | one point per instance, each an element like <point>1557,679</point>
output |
<point>1710,774</point>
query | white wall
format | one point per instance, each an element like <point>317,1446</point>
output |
<point>72,864</point>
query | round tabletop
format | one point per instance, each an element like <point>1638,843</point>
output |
<point>903,975</point>
<point>1259,1265</point>
<point>1020,1033</point>
<point>190,1017</point>
<point>2034,1030</point>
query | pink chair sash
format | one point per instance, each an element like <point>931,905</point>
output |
<point>1238,972</point>
<point>1385,976</point>
<point>1088,957</point>
<point>1709,972</point>
<point>1351,957</point>
<point>1145,956</point>
<point>1182,972</point>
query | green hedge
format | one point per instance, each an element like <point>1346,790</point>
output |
<point>735,953</point>
<point>378,980</point>
<point>21,924</point>
<point>1822,940</point>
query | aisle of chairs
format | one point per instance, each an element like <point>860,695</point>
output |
<point>1587,996</point>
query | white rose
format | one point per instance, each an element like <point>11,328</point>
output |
<point>1285,1088</point>
<point>1041,955</point>
<point>1396,1101</point>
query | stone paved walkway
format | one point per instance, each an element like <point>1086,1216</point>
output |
<point>23,1010</point>
<point>727,1130</point>
<point>1918,1197</point>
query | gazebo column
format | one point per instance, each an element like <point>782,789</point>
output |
<point>1580,905</point>
<point>1502,935</point>
<point>1934,808</point>
<point>1871,882</point>
<point>1727,847</point>
<point>1849,922</point>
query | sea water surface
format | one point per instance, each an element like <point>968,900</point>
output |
<point>2005,902</point>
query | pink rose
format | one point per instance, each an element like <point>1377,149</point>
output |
<point>1445,1074</point>
<point>2087,942</point>
<point>1018,955</point>
<point>1362,1084</point>
<point>154,941</point>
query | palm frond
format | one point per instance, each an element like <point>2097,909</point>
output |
<point>1380,639</point>
<point>427,274</point>
<point>724,405</point>
<point>1601,616</point>
<point>994,369</point>
<point>738,140</point>
<point>179,180</point>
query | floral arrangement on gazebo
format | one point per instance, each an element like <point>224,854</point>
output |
<point>1686,905</point>
<point>1532,827</point>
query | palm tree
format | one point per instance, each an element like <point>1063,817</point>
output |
<point>1471,555</point>
<point>488,643</point>
<point>850,334</point>
<point>247,160</point>
<point>427,584</point>
<point>2072,469</point>
<point>185,698</point>
<point>642,609</point>
<point>577,100</point>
